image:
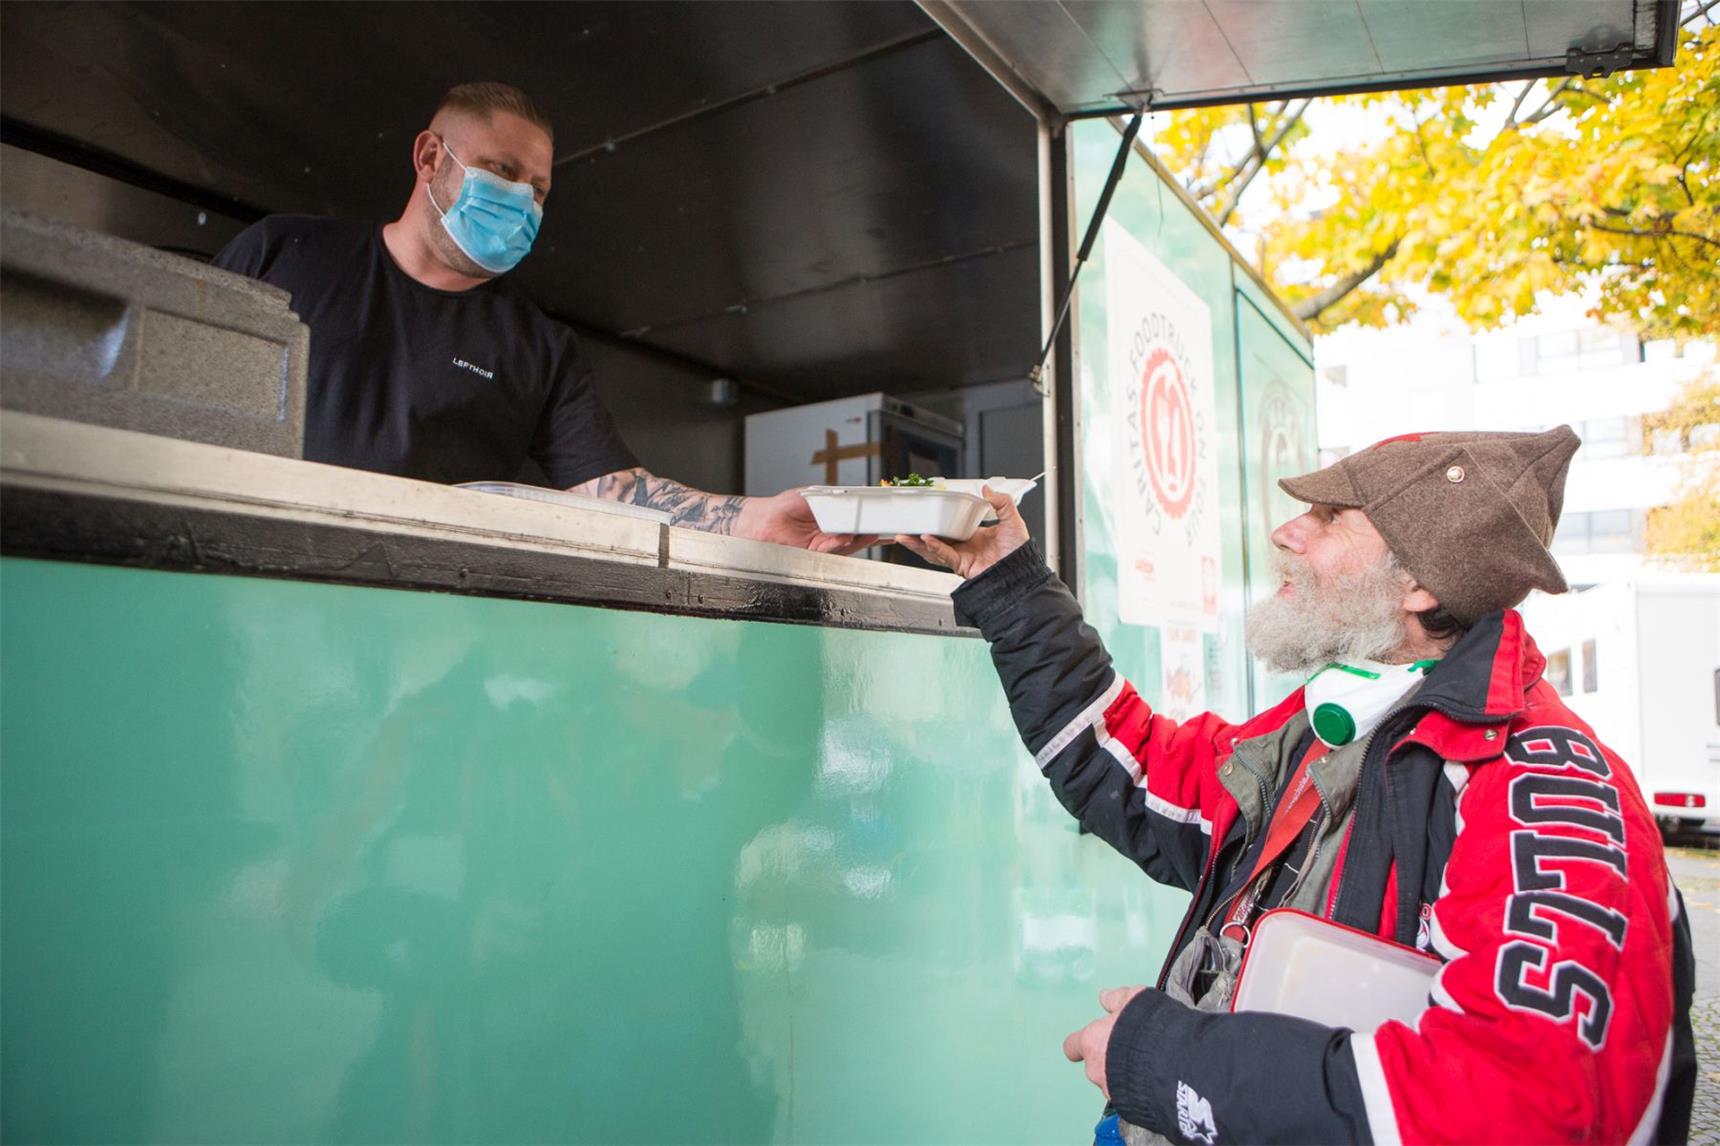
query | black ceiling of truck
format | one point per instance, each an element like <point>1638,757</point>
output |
<point>816,197</point>
<point>1086,57</point>
<point>820,197</point>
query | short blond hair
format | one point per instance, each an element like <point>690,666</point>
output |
<point>486,98</point>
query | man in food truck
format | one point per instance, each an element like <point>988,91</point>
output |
<point>426,362</point>
<point>1426,786</point>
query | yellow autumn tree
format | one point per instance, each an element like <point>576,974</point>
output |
<point>1687,532</point>
<point>1486,195</point>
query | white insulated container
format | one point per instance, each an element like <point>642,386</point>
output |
<point>890,510</point>
<point>1299,964</point>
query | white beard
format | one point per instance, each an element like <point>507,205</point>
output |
<point>1356,617</point>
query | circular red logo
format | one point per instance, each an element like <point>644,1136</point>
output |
<point>1167,432</point>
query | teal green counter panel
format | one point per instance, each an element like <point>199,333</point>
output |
<point>286,862</point>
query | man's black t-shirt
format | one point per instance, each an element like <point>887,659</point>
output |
<point>440,385</point>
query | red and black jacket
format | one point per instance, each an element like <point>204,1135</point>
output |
<point>1490,826</point>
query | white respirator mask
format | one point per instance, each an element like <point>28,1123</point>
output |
<point>1346,701</point>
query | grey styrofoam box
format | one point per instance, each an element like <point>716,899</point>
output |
<point>98,329</point>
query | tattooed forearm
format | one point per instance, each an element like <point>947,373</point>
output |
<point>692,508</point>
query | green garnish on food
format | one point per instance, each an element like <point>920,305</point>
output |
<point>910,480</point>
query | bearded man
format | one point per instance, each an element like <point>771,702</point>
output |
<point>1426,786</point>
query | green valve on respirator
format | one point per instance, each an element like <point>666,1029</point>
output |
<point>1334,724</point>
<point>1348,700</point>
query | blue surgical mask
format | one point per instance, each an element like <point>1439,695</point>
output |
<point>493,220</point>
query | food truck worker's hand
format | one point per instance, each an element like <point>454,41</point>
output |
<point>987,546</point>
<point>1088,1045</point>
<point>787,520</point>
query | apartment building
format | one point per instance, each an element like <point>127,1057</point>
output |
<point>1552,368</point>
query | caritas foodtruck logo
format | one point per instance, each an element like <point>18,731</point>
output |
<point>1284,450</point>
<point>1166,437</point>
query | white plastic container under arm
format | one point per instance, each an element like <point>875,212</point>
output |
<point>1299,964</point>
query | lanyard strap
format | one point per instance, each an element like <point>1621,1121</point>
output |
<point>1300,803</point>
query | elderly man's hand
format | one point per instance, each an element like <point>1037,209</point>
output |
<point>985,548</point>
<point>1087,1045</point>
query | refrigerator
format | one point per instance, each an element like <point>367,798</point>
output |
<point>849,441</point>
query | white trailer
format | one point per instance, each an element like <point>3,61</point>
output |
<point>1639,660</point>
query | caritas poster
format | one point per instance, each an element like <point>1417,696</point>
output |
<point>1160,360</point>
<point>1182,672</point>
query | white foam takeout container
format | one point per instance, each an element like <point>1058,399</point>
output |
<point>1299,964</point>
<point>951,508</point>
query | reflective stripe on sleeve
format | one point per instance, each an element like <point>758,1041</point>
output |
<point>1376,1096</point>
<point>1092,715</point>
<point>1645,1129</point>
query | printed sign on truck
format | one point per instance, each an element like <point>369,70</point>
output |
<point>1166,489</point>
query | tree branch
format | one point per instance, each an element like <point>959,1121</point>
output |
<point>1292,121</point>
<point>1421,144</point>
<point>1550,106</point>
<point>1262,151</point>
<point>1658,233</point>
<point>1224,179</point>
<point>1221,181</point>
<point>1249,169</point>
<point>1511,120</point>
<point>1585,265</point>
<point>1314,305</point>
<point>1199,164</point>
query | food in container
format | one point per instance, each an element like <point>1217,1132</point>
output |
<point>946,507</point>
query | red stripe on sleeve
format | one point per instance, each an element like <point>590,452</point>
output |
<point>1127,721</point>
<point>1388,909</point>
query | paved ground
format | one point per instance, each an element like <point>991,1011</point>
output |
<point>1698,875</point>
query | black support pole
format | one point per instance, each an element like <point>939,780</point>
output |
<point>1118,165</point>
